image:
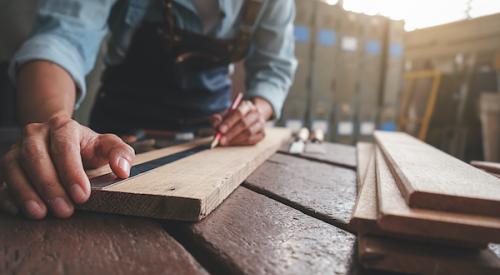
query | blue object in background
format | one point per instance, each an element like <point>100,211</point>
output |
<point>388,126</point>
<point>327,37</point>
<point>373,47</point>
<point>396,50</point>
<point>301,33</point>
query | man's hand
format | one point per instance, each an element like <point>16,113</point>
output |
<point>45,170</point>
<point>245,125</point>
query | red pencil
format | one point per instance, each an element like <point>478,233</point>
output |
<point>234,105</point>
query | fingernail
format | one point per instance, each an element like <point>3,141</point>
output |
<point>61,207</point>
<point>77,193</point>
<point>10,207</point>
<point>34,209</point>
<point>124,165</point>
<point>223,128</point>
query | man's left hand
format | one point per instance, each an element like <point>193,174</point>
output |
<point>244,125</point>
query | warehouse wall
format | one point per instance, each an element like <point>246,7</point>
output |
<point>350,65</point>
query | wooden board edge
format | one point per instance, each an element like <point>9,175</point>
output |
<point>160,207</point>
<point>216,197</point>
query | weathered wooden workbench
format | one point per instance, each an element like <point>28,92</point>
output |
<point>290,217</point>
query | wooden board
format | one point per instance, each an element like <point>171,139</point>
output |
<point>90,243</point>
<point>332,153</point>
<point>364,155</point>
<point>190,188</point>
<point>320,190</point>
<point>409,257</point>
<point>491,167</point>
<point>431,179</point>
<point>365,213</point>
<point>253,234</point>
<point>394,215</point>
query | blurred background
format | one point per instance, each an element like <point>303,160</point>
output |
<point>427,67</point>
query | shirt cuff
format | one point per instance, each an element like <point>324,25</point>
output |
<point>269,92</point>
<point>57,51</point>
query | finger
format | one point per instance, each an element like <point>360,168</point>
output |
<point>65,153</point>
<point>118,154</point>
<point>37,163</point>
<point>248,134</point>
<point>235,116</point>
<point>6,203</point>
<point>241,127</point>
<point>20,189</point>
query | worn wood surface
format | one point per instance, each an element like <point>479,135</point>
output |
<point>252,234</point>
<point>396,216</point>
<point>189,188</point>
<point>323,191</point>
<point>91,244</point>
<point>364,155</point>
<point>431,179</point>
<point>417,258</point>
<point>331,153</point>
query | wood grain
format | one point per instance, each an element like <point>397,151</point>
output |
<point>364,155</point>
<point>432,179</point>
<point>320,190</point>
<point>409,257</point>
<point>331,153</point>
<point>252,234</point>
<point>91,244</point>
<point>365,214</point>
<point>190,188</point>
<point>395,215</point>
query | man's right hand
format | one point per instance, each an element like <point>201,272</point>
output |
<point>46,169</point>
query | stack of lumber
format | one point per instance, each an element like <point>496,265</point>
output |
<point>422,211</point>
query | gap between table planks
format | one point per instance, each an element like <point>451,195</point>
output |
<point>333,153</point>
<point>188,189</point>
<point>364,156</point>
<point>431,179</point>
<point>324,191</point>
<point>253,234</point>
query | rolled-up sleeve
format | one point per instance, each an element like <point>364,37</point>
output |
<point>271,64</point>
<point>68,33</point>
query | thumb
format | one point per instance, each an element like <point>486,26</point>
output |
<point>112,150</point>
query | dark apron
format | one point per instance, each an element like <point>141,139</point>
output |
<point>171,79</point>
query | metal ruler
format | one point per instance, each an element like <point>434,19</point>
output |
<point>111,179</point>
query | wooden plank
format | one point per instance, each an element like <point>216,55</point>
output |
<point>252,234</point>
<point>417,258</point>
<point>431,179</point>
<point>365,214</point>
<point>332,153</point>
<point>190,188</point>
<point>364,155</point>
<point>490,167</point>
<point>320,190</point>
<point>396,216</point>
<point>91,244</point>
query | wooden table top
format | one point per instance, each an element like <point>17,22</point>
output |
<point>289,217</point>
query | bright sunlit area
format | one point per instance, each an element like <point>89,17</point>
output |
<point>424,13</point>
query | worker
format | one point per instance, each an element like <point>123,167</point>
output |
<point>168,66</point>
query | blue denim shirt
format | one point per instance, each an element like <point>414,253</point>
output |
<point>69,33</point>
